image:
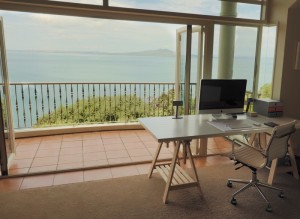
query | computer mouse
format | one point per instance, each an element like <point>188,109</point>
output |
<point>257,124</point>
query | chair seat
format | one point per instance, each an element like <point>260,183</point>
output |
<point>250,157</point>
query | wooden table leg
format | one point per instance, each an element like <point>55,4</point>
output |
<point>189,152</point>
<point>171,173</point>
<point>203,147</point>
<point>154,159</point>
<point>272,171</point>
<point>293,167</point>
<point>293,162</point>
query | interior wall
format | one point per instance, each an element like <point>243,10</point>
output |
<point>278,15</point>
<point>290,88</point>
<point>291,78</point>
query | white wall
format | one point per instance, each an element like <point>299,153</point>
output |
<point>290,85</point>
<point>278,15</point>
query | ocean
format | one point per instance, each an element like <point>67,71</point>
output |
<point>34,66</point>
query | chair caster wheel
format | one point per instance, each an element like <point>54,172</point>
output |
<point>229,184</point>
<point>233,201</point>
<point>281,195</point>
<point>269,208</point>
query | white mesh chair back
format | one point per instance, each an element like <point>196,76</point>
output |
<point>278,144</point>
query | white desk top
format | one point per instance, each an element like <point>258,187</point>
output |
<point>198,126</point>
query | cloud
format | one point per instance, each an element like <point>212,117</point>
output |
<point>55,32</point>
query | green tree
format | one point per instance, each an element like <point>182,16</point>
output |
<point>122,108</point>
<point>265,91</point>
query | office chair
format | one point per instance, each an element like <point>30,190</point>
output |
<point>256,159</point>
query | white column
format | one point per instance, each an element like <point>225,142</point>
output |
<point>227,42</point>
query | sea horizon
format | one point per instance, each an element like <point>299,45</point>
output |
<point>152,66</point>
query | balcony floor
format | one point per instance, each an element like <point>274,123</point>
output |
<point>69,151</point>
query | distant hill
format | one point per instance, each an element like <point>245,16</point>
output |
<point>156,52</point>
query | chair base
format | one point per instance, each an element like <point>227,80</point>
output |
<point>254,182</point>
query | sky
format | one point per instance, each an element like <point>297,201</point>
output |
<point>30,31</point>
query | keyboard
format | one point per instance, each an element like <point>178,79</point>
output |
<point>238,124</point>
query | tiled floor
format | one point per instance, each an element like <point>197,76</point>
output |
<point>92,149</point>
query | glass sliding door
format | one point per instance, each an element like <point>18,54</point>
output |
<point>189,51</point>
<point>266,62</point>
<point>7,148</point>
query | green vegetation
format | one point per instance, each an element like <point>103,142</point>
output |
<point>109,109</point>
<point>265,91</point>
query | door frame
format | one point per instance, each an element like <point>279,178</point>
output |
<point>10,135</point>
<point>204,62</point>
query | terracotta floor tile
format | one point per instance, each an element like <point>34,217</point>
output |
<point>91,135</point>
<point>124,171</point>
<point>110,134</point>
<point>94,163</point>
<point>66,166</point>
<point>44,161</point>
<point>65,178</point>
<point>53,138</point>
<point>90,149</point>
<point>130,139</point>
<point>24,155</point>
<point>92,142</point>
<point>68,144</point>
<point>119,160</point>
<point>73,158</point>
<point>98,149</point>
<point>47,153</point>
<point>37,181</point>
<point>138,152</point>
<point>212,146</point>
<point>163,150</point>
<point>97,174</point>
<point>27,147</point>
<point>94,156</point>
<point>127,133</point>
<point>112,141</point>
<point>142,133</point>
<point>114,147</point>
<point>165,156</point>
<point>151,144</point>
<point>50,145</point>
<point>148,138</point>
<point>30,140</point>
<point>70,150</point>
<point>7,185</point>
<point>141,158</point>
<point>117,154</point>
<point>19,164</point>
<point>18,171</point>
<point>133,145</point>
<point>72,137</point>
<point>42,169</point>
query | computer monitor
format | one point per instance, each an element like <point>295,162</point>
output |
<point>222,96</point>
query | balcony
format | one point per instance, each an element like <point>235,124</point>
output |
<point>63,126</point>
<point>93,156</point>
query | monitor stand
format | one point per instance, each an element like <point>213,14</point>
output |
<point>220,116</point>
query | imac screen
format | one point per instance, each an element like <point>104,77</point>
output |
<point>219,96</point>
